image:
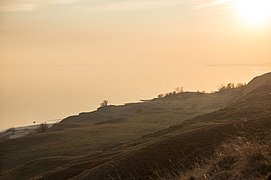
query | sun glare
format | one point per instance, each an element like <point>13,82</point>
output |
<point>254,12</point>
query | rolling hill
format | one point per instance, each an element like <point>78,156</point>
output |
<point>133,141</point>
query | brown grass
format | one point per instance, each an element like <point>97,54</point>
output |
<point>237,159</point>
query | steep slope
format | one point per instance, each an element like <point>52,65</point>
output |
<point>257,82</point>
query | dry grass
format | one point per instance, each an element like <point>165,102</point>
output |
<point>237,159</point>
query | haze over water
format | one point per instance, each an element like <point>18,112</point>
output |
<point>62,57</point>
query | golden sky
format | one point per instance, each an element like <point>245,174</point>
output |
<point>62,57</point>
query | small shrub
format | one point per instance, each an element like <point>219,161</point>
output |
<point>223,87</point>
<point>160,96</point>
<point>104,103</point>
<point>42,127</point>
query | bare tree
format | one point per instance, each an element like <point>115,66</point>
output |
<point>104,103</point>
<point>179,89</point>
<point>42,127</point>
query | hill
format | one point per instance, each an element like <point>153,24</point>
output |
<point>181,145</point>
<point>132,140</point>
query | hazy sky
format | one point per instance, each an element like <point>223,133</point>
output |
<point>62,57</point>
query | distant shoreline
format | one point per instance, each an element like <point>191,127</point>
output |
<point>31,125</point>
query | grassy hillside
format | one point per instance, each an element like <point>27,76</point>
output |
<point>102,130</point>
<point>179,147</point>
<point>133,140</point>
<point>245,157</point>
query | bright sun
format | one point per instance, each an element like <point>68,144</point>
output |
<point>254,12</point>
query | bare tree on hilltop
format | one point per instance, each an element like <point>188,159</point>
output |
<point>104,103</point>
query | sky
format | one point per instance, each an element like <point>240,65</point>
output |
<point>63,57</point>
